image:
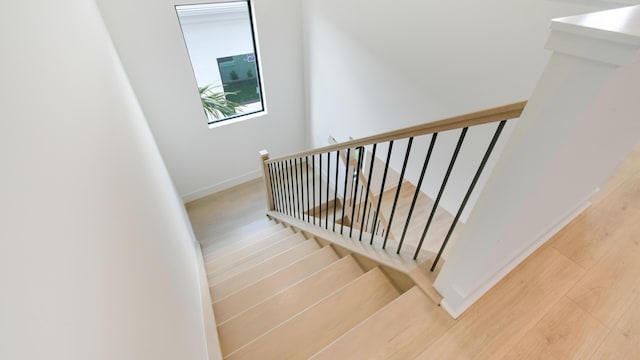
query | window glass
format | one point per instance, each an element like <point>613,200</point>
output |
<point>220,41</point>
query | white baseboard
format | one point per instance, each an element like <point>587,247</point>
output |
<point>208,319</point>
<point>221,186</point>
<point>445,305</point>
<point>469,298</point>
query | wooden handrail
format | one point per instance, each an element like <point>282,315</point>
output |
<point>505,112</point>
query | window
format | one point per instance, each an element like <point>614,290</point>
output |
<point>220,40</point>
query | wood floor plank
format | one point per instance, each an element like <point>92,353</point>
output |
<point>630,168</point>
<point>566,332</point>
<point>623,341</point>
<point>610,285</point>
<point>228,210</point>
<point>591,235</point>
<point>500,318</point>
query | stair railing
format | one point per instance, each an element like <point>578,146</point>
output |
<point>379,218</point>
<point>311,185</point>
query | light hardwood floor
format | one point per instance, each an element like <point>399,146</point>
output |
<point>577,297</point>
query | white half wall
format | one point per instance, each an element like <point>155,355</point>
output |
<point>201,160</point>
<point>580,124</point>
<point>372,68</point>
<point>97,259</point>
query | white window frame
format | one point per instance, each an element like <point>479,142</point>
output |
<point>256,48</point>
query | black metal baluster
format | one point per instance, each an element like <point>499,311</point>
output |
<point>320,191</point>
<point>299,169</point>
<point>273,199</point>
<point>395,201</point>
<point>352,201</point>
<point>358,212</point>
<point>277,185</point>
<point>353,209</point>
<point>335,193</point>
<point>293,192</point>
<point>274,187</point>
<point>289,188</point>
<point>297,182</point>
<point>302,187</point>
<point>299,202</point>
<point>356,157</point>
<point>306,166</point>
<point>284,189</point>
<point>326,213</point>
<point>417,192</point>
<point>384,179</point>
<point>289,195</point>
<point>444,184</point>
<point>368,215</point>
<point>366,198</point>
<point>359,202</point>
<point>344,195</point>
<point>277,177</point>
<point>494,140</point>
<point>273,191</point>
<point>313,182</point>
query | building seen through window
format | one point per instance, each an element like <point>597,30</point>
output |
<point>221,44</point>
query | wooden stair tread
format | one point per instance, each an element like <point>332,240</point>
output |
<point>306,333</point>
<point>255,293</point>
<point>237,232</point>
<point>401,330</point>
<point>263,269</point>
<point>238,238</point>
<point>253,259</point>
<point>225,259</point>
<point>275,310</point>
<point>440,224</point>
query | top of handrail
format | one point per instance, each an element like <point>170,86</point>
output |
<point>505,112</point>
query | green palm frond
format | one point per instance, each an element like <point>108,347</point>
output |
<point>216,104</point>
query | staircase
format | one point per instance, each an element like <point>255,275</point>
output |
<point>280,294</point>
<point>345,264</point>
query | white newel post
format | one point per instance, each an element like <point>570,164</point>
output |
<point>582,120</point>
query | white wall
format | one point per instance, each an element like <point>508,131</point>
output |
<point>371,69</point>
<point>200,160</point>
<point>97,260</point>
<point>212,36</point>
